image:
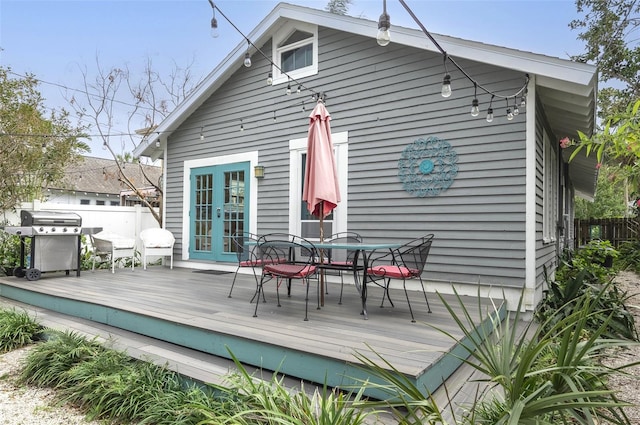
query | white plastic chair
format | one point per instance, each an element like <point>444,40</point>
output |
<point>158,242</point>
<point>112,246</point>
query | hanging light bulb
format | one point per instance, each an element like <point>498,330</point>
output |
<point>299,90</point>
<point>475,105</point>
<point>446,86</point>
<point>523,100</point>
<point>247,56</point>
<point>303,107</point>
<point>201,133</point>
<point>516,111</point>
<point>157,143</point>
<point>241,126</point>
<point>274,116</point>
<point>490,110</point>
<point>509,113</point>
<point>104,145</point>
<point>269,79</point>
<point>288,92</point>
<point>384,23</point>
<point>214,26</point>
<point>475,108</point>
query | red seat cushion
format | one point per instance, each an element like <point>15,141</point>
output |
<point>290,270</point>
<point>396,272</point>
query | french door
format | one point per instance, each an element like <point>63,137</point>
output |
<point>219,209</point>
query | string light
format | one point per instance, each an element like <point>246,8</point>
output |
<point>269,78</point>
<point>298,91</point>
<point>475,105</point>
<point>247,56</point>
<point>241,125</point>
<point>157,143</point>
<point>384,23</point>
<point>201,133</point>
<point>516,111</point>
<point>446,81</point>
<point>274,116</point>
<point>288,92</point>
<point>509,113</point>
<point>214,22</point>
<point>490,110</point>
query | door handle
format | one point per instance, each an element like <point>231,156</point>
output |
<point>218,211</point>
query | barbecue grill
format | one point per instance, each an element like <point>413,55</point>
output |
<point>55,242</point>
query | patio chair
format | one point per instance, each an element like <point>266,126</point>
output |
<point>406,262</point>
<point>341,260</point>
<point>113,247</point>
<point>157,242</point>
<point>285,258</point>
<point>245,245</point>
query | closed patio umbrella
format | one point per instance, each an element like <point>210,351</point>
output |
<point>321,190</point>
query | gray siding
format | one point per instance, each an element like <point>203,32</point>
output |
<point>385,98</point>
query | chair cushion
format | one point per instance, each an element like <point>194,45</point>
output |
<point>290,270</point>
<point>389,270</point>
<point>115,240</point>
<point>157,238</point>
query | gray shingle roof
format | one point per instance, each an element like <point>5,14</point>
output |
<point>99,175</point>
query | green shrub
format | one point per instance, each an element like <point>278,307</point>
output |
<point>17,329</point>
<point>629,256</point>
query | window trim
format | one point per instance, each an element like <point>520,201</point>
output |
<point>296,148</point>
<point>281,35</point>
<point>550,192</point>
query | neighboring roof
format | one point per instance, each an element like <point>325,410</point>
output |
<point>99,175</point>
<point>566,89</point>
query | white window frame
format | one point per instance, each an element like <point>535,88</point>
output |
<point>280,36</point>
<point>550,192</point>
<point>296,148</point>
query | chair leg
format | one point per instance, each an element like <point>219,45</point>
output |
<point>306,301</point>
<point>260,289</point>
<point>425,296</point>
<point>234,282</point>
<point>406,294</point>
<point>386,294</point>
<point>341,287</point>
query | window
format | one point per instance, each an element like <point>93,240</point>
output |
<point>85,202</point>
<point>295,52</point>
<point>99,202</point>
<point>114,203</point>
<point>300,221</point>
<point>550,192</point>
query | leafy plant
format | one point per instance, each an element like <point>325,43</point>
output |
<point>17,329</point>
<point>10,251</point>
<point>533,375</point>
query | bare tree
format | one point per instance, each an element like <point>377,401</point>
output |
<point>339,7</point>
<point>123,109</point>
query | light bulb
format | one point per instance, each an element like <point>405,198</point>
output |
<point>446,86</point>
<point>490,115</point>
<point>214,28</point>
<point>157,143</point>
<point>523,102</point>
<point>247,60</point>
<point>299,89</point>
<point>270,79</point>
<point>516,111</point>
<point>384,23</point>
<point>288,92</point>
<point>104,146</point>
<point>509,114</point>
<point>475,108</point>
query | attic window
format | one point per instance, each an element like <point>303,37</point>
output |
<point>295,51</point>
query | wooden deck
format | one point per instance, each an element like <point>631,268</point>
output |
<point>191,309</point>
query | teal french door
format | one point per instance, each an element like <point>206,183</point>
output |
<point>219,209</point>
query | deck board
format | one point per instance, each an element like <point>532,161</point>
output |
<point>187,301</point>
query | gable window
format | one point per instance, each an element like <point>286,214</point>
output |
<point>295,52</point>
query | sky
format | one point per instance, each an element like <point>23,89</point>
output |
<point>59,40</point>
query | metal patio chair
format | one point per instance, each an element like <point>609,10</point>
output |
<point>286,258</point>
<point>406,262</point>
<point>341,260</point>
<point>245,245</point>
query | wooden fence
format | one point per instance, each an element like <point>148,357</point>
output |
<point>614,230</point>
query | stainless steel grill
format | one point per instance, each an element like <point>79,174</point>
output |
<point>55,242</point>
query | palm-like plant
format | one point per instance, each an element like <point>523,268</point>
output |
<point>547,374</point>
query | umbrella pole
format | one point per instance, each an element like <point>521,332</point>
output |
<point>322,253</point>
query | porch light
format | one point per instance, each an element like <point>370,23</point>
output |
<point>384,23</point>
<point>157,143</point>
<point>258,171</point>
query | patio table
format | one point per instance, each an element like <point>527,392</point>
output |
<point>361,249</point>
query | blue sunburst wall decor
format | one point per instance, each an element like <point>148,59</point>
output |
<point>427,167</point>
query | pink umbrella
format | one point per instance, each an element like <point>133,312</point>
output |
<point>321,189</point>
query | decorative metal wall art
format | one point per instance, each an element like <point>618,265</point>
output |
<point>427,167</point>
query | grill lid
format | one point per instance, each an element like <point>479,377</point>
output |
<point>49,218</point>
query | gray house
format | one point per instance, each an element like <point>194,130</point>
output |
<point>499,200</point>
